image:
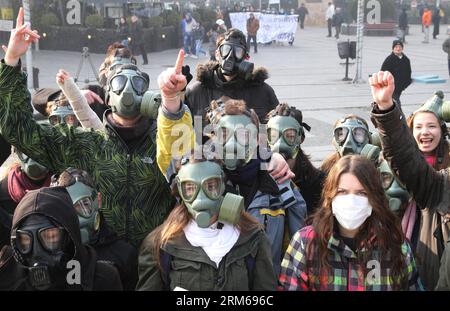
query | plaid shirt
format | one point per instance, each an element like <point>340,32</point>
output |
<point>345,272</point>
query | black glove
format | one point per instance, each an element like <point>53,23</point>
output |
<point>186,71</point>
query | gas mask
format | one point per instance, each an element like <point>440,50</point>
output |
<point>31,168</point>
<point>236,140</point>
<point>232,59</point>
<point>394,190</point>
<point>86,203</point>
<point>63,114</point>
<point>201,186</point>
<point>351,136</point>
<point>44,247</point>
<point>128,94</point>
<point>285,135</point>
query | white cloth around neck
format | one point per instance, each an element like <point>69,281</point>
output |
<point>215,242</point>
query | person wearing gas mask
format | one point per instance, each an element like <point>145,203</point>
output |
<point>93,228</point>
<point>120,158</point>
<point>231,75</point>
<point>411,156</point>
<point>60,111</point>
<point>246,167</point>
<point>20,178</point>
<point>285,134</point>
<point>352,233</point>
<point>46,241</point>
<point>351,136</point>
<point>208,242</point>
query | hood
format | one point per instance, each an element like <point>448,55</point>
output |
<point>207,75</point>
<point>42,96</point>
<point>56,204</point>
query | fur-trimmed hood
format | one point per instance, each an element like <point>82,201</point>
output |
<point>207,75</point>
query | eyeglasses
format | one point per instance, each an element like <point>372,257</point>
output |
<point>212,186</point>
<point>226,48</point>
<point>290,136</point>
<point>360,134</point>
<point>51,238</point>
<point>138,83</point>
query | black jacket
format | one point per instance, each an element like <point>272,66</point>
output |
<point>136,33</point>
<point>12,274</point>
<point>56,203</point>
<point>109,247</point>
<point>210,85</point>
<point>400,69</point>
<point>5,150</point>
<point>403,21</point>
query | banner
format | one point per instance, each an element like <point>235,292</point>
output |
<point>272,27</point>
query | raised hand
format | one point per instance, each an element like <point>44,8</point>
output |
<point>21,38</point>
<point>382,85</point>
<point>62,76</point>
<point>171,81</point>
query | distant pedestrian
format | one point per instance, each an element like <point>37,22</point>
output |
<point>329,17</point>
<point>436,19</point>
<point>446,48</point>
<point>402,25</point>
<point>124,31</point>
<point>337,21</point>
<point>302,12</point>
<point>426,22</point>
<point>400,67</point>
<point>137,38</point>
<point>212,38</point>
<point>252,30</point>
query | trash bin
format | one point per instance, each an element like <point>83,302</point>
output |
<point>35,76</point>
<point>344,49</point>
<point>352,49</point>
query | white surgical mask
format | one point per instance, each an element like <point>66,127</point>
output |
<point>351,210</point>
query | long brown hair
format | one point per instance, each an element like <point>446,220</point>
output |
<point>179,217</point>
<point>442,150</point>
<point>329,162</point>
<point>380,231</point>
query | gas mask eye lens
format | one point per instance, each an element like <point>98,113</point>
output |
<point>54,120</point>
<point>273,136</point>
<point>23,241</point>
<point>360,135</point>
<point>139,84</point>
<point>290,136</point>
<point>84,207</point>
<point>118,83</point>
<point>239,53</point>
<point>70,119</point>
<point>225,49</point>
<point>212,188</point>
<point>340,134</point>
<point>386,180</point>
<point>189,190</point>
<point>52,238</point>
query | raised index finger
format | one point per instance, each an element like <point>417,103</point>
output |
<point>19,21</point>
<point>179,62</point>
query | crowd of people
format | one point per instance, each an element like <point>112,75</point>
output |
<point>117,179</point>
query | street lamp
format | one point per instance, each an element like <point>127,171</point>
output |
<point>359,42</point>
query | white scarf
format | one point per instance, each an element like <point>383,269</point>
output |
<point>215,242</point>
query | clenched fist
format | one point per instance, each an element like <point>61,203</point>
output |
<point>382,86</point>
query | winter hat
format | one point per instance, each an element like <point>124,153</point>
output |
<point>397,42</point>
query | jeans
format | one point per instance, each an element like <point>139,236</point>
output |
<point>198,47</point>
<point>188,41</point>
<point>330,25</point>
<point>427,34</point>
<point>252,38</point>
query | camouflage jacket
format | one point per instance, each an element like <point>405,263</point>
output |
<point>135,195</point>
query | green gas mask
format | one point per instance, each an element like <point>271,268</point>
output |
<point>201,186</point>
<point>31,168</point>
<point>63,114</point>
<point>236,140</point>
<point>438,106</point>
<point>351,137</point>
<point>285,135</point>
<point>128,94</point>
<point>394,190</point>
<point>86,203</point>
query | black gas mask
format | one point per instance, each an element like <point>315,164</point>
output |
<point>232,59</point>
<point>44,247</point>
